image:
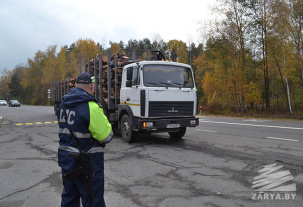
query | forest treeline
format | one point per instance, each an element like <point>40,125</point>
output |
<point>251,59</point>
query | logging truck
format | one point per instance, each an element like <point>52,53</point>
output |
<point>141,95</point>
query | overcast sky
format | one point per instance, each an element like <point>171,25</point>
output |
<point>32,25</point>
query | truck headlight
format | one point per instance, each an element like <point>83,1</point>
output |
<point>193,122</point>
<point>148,124</point>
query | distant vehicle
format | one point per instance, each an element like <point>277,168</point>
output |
<point>12,103</point>
<point>3,103</point>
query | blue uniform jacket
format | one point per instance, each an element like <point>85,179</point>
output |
<point>86,119</point>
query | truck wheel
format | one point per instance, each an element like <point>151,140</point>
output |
<point>179,134</point>
<point>128,135</point>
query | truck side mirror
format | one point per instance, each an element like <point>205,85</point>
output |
<point>129,74</point>
<point>129,77</point>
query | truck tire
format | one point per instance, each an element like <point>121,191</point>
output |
<point>179,134</point>
<point>128,135</point>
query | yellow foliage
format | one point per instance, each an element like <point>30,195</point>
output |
<point>209,84</point>
<point>201,63</point>
<point>34,71</point>
<point>51,66</point>
<point>115,48</point>
<point>4,80</point>
<point>253,94</point>
<point>62,67</point>
<point>178,48</point>
<point>84,50</point>
<point>182,53</point>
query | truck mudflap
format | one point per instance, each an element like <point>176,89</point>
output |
<point>166,124</point>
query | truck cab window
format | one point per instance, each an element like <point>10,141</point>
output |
<point>167,76</point>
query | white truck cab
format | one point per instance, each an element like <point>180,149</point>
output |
<point>157,96</point>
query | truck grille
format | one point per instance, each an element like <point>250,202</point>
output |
<point>170,108</point>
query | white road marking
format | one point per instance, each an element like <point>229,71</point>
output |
<point>284,139</point>
<point>204,130</point>
<point>254,120</point>
<point>255,125</point>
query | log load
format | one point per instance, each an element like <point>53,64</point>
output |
<point>115,75</point>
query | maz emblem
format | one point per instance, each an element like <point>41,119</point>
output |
<point>173,110</point>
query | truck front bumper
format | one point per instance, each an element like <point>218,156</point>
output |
<point>171,124</point>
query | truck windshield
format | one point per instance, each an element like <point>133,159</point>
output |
<point>167,76</point>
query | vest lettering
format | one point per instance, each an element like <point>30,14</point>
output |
<point>69,114</point>
<point>61,119</point>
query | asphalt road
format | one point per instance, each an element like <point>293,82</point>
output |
<point>214,165</point>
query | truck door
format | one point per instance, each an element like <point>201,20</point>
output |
<point>133,92</point>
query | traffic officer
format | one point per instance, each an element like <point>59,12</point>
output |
<point>82,125</point>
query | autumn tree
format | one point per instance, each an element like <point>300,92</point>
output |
<point>15,87</point>
<point>278,43</point>
<point>34,91</point>
<point>193,52</point>
<point>212,66</point>
<point>50,67</point>
<point>296,32</point>
<point>84,50</point>
<point>229,66</point>
<point>260,17</point>
<point>115,47</point>
<point>4,80</point>
<point>177,50</point>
